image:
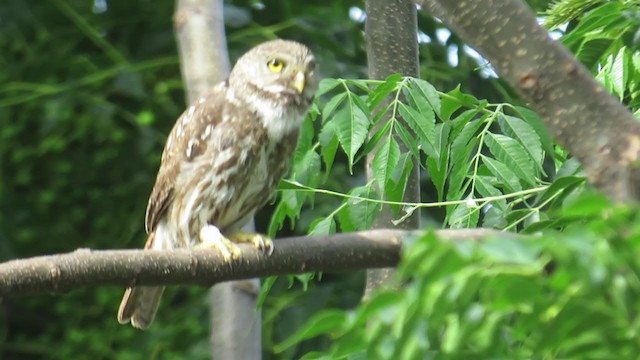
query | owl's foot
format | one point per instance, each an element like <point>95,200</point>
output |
<point>211,237</point>
<point>259,241</point>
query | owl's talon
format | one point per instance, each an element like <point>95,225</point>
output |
<point>259,241</point>
<point>210,237</point>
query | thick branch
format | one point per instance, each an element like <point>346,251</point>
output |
<point>578,111</point>
<point>84,267</point>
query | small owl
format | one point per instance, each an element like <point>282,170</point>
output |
<point>223,160</point>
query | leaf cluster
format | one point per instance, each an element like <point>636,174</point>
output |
<point>562,295</point>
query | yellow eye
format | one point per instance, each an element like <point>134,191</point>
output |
<point>275,65</point>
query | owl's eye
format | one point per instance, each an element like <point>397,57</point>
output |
<point>275,65</point>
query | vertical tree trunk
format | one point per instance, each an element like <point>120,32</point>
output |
<point>391,35</point>
<point>199,26</point>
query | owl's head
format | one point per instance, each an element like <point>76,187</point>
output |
<point>278,69</point>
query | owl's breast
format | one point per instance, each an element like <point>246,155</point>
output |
<point>264,169</point>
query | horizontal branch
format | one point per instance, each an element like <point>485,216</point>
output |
<point>85,267</point>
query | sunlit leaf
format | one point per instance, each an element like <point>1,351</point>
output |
<point>429,93</point>
<point>532,118</point>
<point>327,85</point>
<point>324,226</point>
<point>379,134</point>
<point>399,178</point>
<point>464,217</point>
<point>352,126</point>
<point>438,165</point>
<point>453,101</point>
<point>381,91</point>
<point>422,124</point>
<point>485,188</point>
<point>408,139</point>
<point>525,134</point>
<point>512,154</point>
<point>360,214</point>
<point>331,105</point>
<point>502,172</point>
<point>618,73</point>
<point>385,161</point>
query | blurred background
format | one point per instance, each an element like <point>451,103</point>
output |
<point>88,92</point>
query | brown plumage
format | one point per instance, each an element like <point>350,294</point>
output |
<point>225,156</point>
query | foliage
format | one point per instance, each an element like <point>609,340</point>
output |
<point>481,157</point>
<point>561,295</point>
<point>569,292</point>
<point>605,36</point>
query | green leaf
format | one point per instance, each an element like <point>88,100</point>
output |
<point>385,160</point>
<point>486,189</point>
<point>453,101</point>
<point>502,172</point>
<point>359,83</point>
<point>360,214</point>
<point>323,226</point>
<point>512,154</point>
<point>464,216</point>
<point>422,124</point>
<point>324,322</point>
<point>565,183</point>
<point>461,149</point>
<point>438,164</point>
<point>380,133</point>
<point>508,250</point>
<point>570,167</point>
<point>331,105</point>
<point>381,91</point>
<point>286,184</point>
<point>327,85</point>
<point>523,132</point>
<point>329,150</point>
<point>591,51</point>
<point>352,126</point>
<point>532,118</point>
<point>598,18</point>
<point>421,89</point>
<point>307,169</point>
<point>267,284</point>
<point>618,73</point>
<point>588,204</point>
<point>398,182</point>
<point>407,139</point>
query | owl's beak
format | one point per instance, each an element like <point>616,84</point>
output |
<point>299,82</point>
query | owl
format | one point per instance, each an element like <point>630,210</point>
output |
<point>223,160</point>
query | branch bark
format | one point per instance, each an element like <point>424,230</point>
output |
<point>85,267</point>
<point>578,111</point>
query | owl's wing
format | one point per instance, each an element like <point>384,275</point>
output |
<point>183,144</point>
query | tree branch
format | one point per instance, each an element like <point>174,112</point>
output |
<point>85,267</point>
<point>577,110</point>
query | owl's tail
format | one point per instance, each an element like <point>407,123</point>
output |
<point>139,306</point>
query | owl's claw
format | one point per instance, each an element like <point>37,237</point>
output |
<point>259,241</point>
<point>210,237</point>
